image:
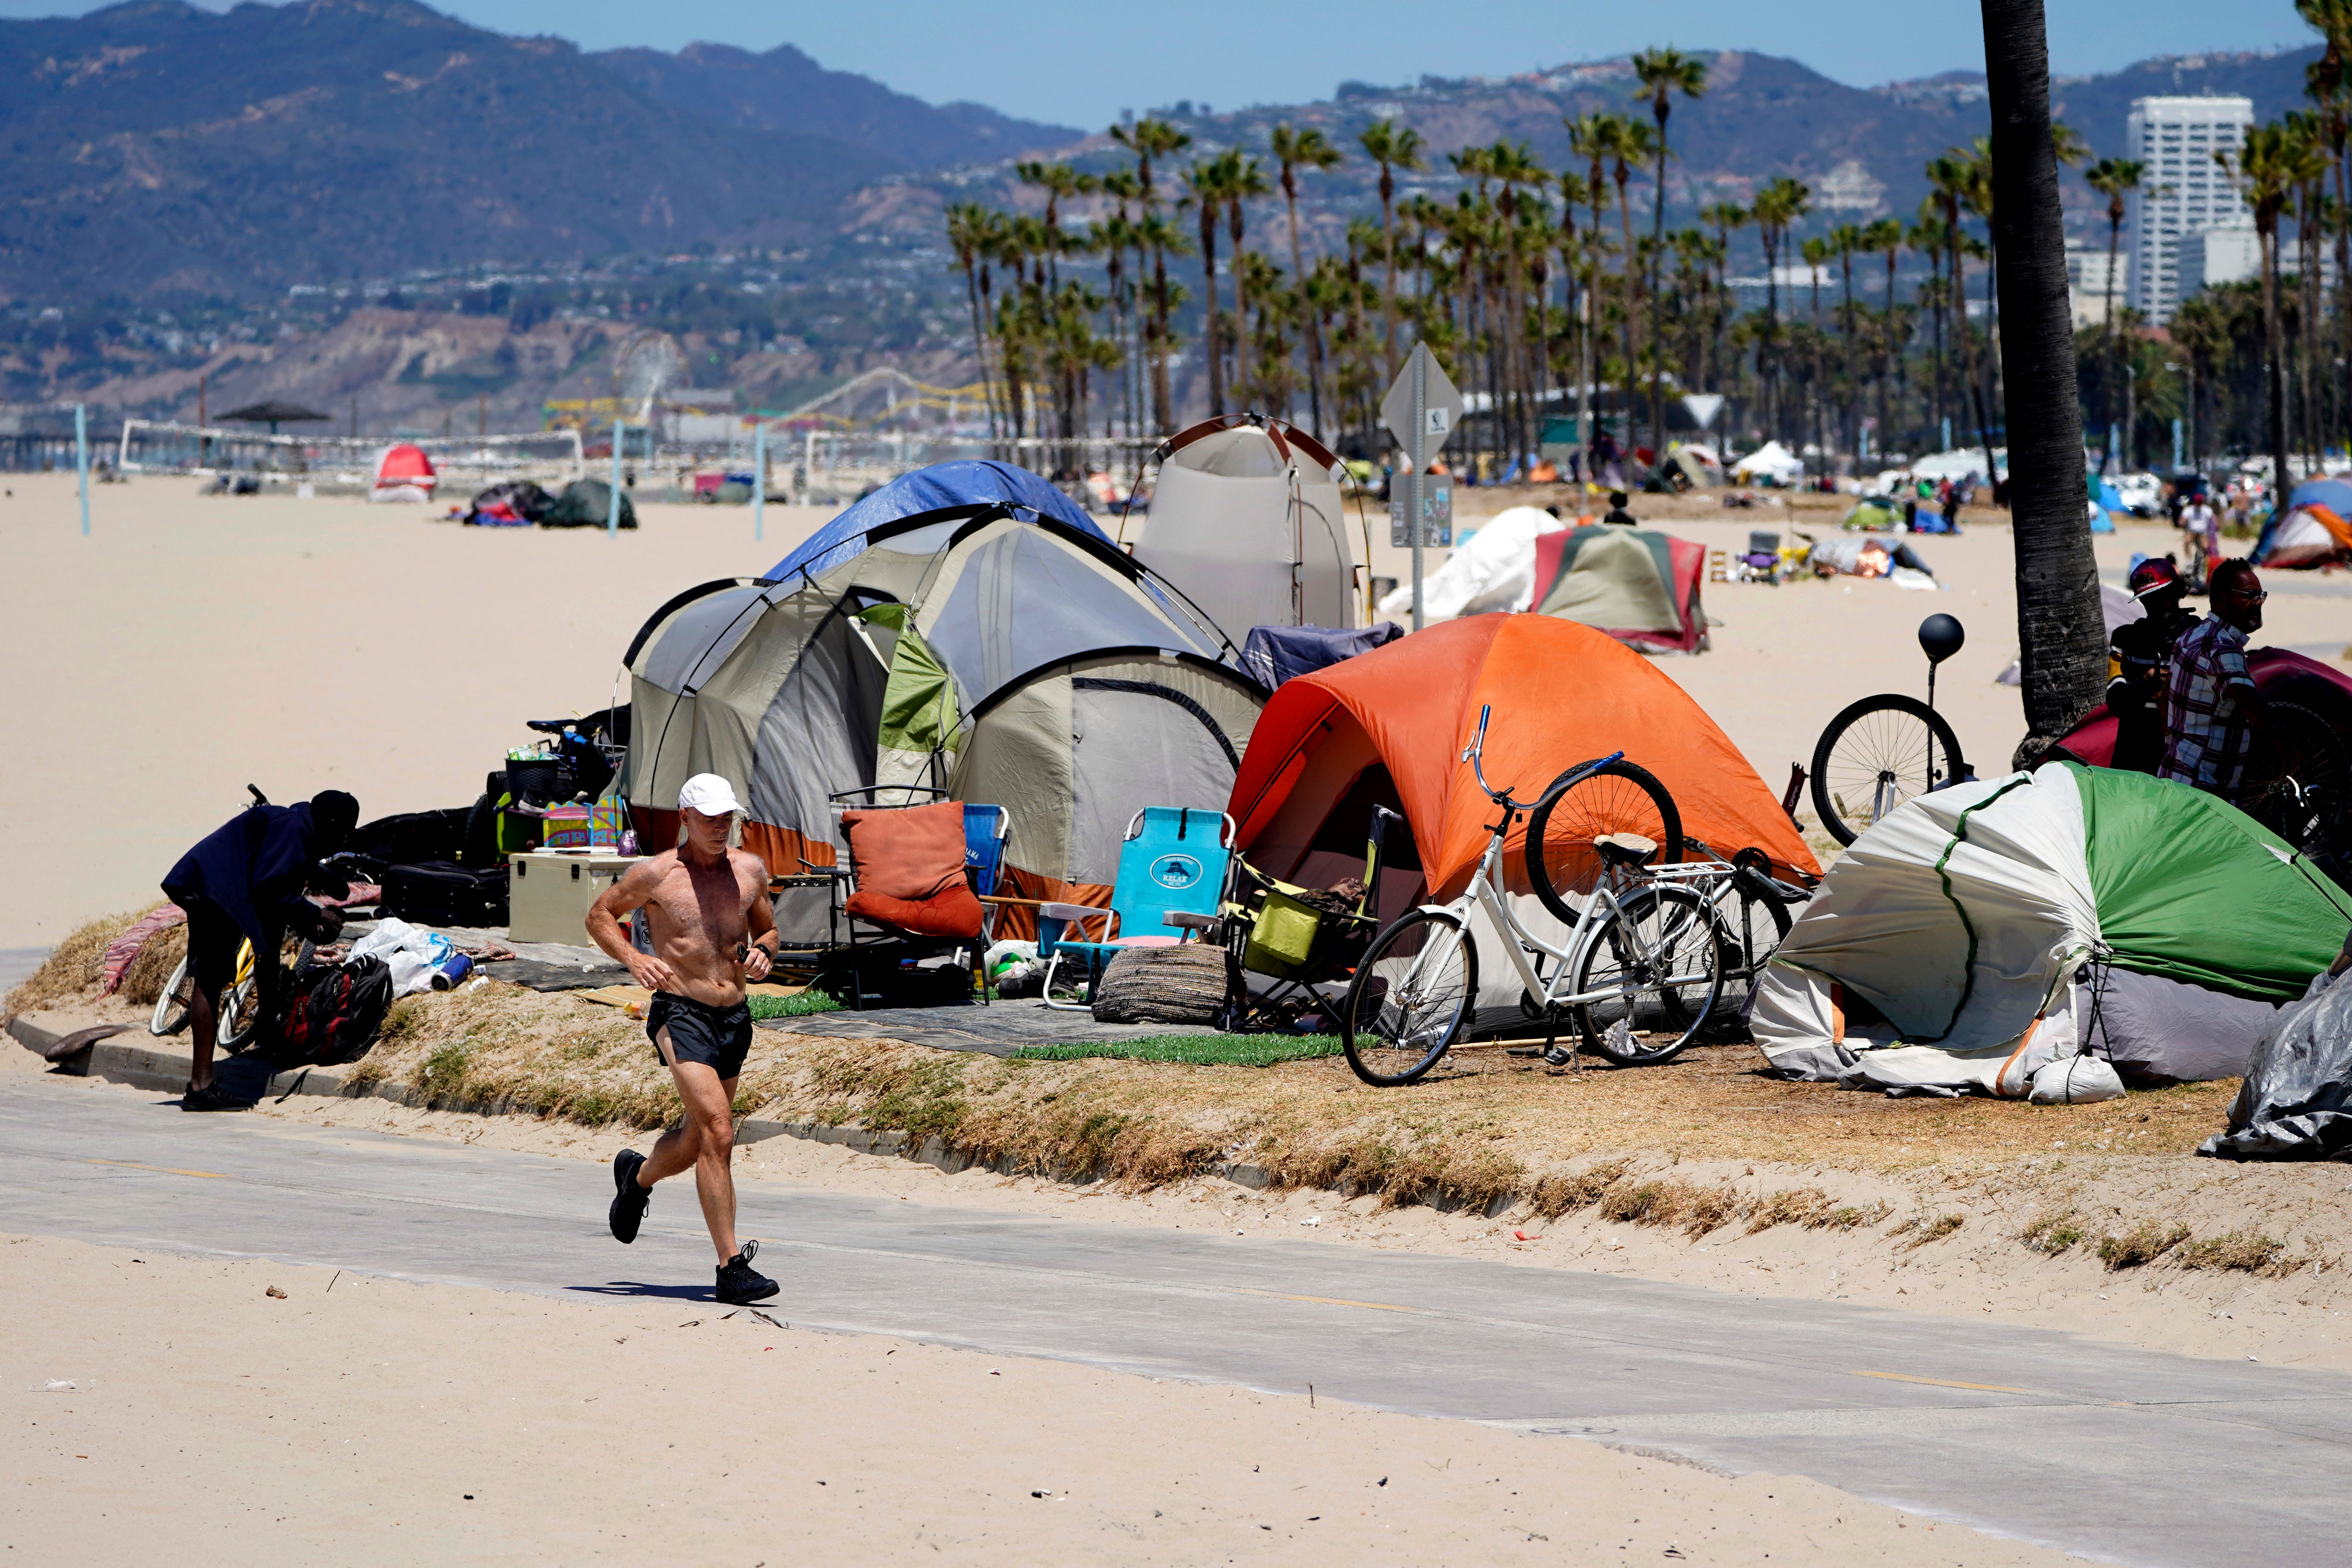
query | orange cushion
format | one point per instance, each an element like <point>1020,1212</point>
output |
<point>955,913</point>
<point>913,853</point>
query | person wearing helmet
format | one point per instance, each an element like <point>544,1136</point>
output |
<point>2142,651</point>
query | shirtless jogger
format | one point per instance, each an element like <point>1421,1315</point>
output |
<point>712,930</point>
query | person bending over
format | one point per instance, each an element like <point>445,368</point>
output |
<point>243,882</point>
<point>2211,709</point>
<point>713,929</point>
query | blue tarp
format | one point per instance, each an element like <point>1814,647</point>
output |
<point>1278,653</point>
<point>928,490</point>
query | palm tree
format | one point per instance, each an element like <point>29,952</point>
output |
<point>1885,237</point>
<point>1204,184</point>
<point>1726,218</point>
<point>1781,203</point>
<point>2113,178</point>
<point>1149,139</point>
<point>1295,149</point>
<point>2325,81</point>
<point>2061,635</point>
<point>1120,236</point>
<point>1392,147</point>
<point>2263,168</point>
<point>1590,137</point>
<point>1163,237</point>
<point>1844,241</point>
<point>1953,179</point>
<point>1629,143</point>
<point>1663,73</point>
<point>1816,252</point>
<point>1244,178</point>
<point>968,236</point>
<point>1060,182</point>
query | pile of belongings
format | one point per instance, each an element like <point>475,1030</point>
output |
<point>1867,555</point>
<point>2315,529</point>
<point>1639,586</point>
<point>1491,569</point>
<point>588,503</point>
<point>510,504</point>
<point>2297,1101</point>
<point>1983,936</point>
<point>1273,654</point>
<point>1767,559</point>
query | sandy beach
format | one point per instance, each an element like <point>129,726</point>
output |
<point>193,644</point>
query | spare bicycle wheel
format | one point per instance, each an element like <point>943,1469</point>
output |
<point>2296,783</point>
<point>1620,797</point>
<point>1412,996</point>
<point>1877,754</point>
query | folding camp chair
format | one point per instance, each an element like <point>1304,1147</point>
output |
<point>1172,872</point>
<point>894,931</point>
<point>1291,937</point>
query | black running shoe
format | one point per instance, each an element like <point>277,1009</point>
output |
<point>629,1200</point>
<point>739,1284</point>
<point>211,1097</point>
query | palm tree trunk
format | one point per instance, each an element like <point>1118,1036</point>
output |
<point>2274,365</point>
<point>1209,315</point>
<point>1307,317</point>
<point>2061,634</point>
<point>2115,342</point>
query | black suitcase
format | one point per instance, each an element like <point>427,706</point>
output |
<point>442,893</point>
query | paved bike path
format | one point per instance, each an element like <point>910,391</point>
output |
<point>2118,1454</point>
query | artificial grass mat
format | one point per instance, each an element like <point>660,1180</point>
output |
<point>798,1006</point>
<point>1193,1050</point>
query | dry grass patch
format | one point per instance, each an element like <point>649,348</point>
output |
<point>76,968</point>
<point>2245,1251</point>
<point>2143,1243</point>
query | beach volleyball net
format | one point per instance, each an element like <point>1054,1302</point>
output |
<point>165,447</point>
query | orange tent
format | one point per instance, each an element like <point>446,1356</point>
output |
<point>1388,727</point>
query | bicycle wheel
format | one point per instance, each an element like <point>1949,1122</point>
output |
<point>1662,956</point>
<point>1876,755</point>
<point>240,1014</point>
<point>1413,994</point>
<point>1619,797</point>
<point>2296,785</point>
<point>171,1014</point>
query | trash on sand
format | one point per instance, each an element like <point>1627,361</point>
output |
<point>65,1385</point>
<point>1523,1235</point>
<point>274,1290</point>
<point>1312,1219</point>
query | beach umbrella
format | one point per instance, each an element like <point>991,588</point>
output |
<point>274,413</point>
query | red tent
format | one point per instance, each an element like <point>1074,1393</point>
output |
<point>1638,585</point>
<point>1387,727</point>
<point>405,466</point>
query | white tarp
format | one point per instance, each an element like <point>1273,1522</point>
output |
<point>1495,570</point>
<point>1959,940</point>
<point>1959,463</point>
<point>1253,531</point>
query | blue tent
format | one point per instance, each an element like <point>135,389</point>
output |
<point>2333,493</point>
<point>928,490</point>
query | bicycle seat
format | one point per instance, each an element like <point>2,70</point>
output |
<point>1625,849</point>
<point>548,726</point>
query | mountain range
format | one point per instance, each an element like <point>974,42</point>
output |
<point>155,148</point>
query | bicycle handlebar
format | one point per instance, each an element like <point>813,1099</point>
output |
<point>1475,756</point>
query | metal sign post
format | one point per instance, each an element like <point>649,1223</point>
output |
<point>81,460</point>
<point>759,482</point>
<point>612,506</point>
<point>1421,411</point>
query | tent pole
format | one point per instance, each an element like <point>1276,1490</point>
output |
<point>1414,487</point>
<point>759,482</point>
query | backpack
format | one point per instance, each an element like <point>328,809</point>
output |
<point>334,1016</point>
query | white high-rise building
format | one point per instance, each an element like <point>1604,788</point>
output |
<point>2183,191</point>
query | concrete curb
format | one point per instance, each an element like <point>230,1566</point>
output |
<point>163,1064</point>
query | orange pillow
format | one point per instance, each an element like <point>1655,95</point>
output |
<point>913,853</point>
<point>953,914</point>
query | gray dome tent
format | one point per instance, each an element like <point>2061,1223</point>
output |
<point>1021,663</point>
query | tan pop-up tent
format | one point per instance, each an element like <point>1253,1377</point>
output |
<point>1012,663</point>
<point>1248,520</point>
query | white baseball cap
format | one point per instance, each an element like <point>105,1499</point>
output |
<point>708,794</point>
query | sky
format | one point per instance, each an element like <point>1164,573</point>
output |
<point>1080,62</point>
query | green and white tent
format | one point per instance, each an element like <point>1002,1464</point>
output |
<point>1942,951</point>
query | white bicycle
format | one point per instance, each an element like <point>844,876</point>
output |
<point>1639,977</point>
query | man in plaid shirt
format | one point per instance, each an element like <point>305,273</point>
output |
<point>2211,710</point>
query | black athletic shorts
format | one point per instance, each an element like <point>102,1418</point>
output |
<point>718,1038</point>
<point>214,938</point>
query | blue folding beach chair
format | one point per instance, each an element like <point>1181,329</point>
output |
<point>1172,871</point>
